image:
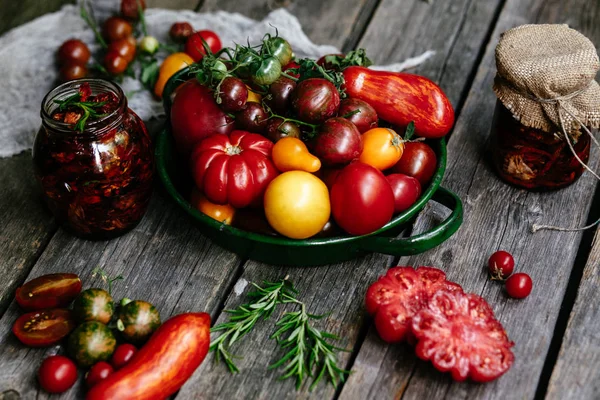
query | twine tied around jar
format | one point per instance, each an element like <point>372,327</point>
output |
<point>546,78</point>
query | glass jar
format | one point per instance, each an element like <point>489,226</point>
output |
<point>531,158</point>
<point>97,182</point>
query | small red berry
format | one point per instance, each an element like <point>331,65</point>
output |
<point>519,285</point>
<point>501,264</point>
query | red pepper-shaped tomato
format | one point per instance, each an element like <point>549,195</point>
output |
<point>400,98</point>
<point>163,365</point>
<point>234,169</point>
<point>195,115</point>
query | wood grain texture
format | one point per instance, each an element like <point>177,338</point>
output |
<point>576,373</point>
<point>497,216</point>
<point>334,22</point>
<point>165,261</point>
<point>26,224</point>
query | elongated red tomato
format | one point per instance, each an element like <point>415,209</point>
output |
<point>400,98</point>
<point>234,169</point>
<point>48,291</point>
<point>163,365</point>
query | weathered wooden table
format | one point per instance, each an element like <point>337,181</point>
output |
<point>167,262</point>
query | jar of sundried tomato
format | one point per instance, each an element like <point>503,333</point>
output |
<point>93,158</point>
<point>548,104</point>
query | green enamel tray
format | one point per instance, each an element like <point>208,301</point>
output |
<point>316,251</point>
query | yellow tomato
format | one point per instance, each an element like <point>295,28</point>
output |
<point>172,64</point>
<point>297,204</point>
<point>290,154</point>
<point>382,148</point>
<point>253,96</point>
<point>221,212</point>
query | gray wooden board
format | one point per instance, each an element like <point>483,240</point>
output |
<point>576,373</point>
<point>497,216</point>
<point>26,224</point>
<point>352,279</point>
<point>165,261</point>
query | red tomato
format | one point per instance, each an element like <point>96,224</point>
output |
<point>195,115</point>
<point>99,371</point>
<point>116,28</point>
<point>43,328</point>
<point>68,72</point>
<point>400,98</point>
<point>459,333</point>
<point>501,264</point>
<point>406,191</point>
<point>73,51</point>
<point>130,8</point>
<point>124,47</point>
<point>398,295</point>
<point>195,47</point>
<point>114,63</point>
<point>163,365</point>
<point>418,161</point>
<point>57,374</point>
<point>122,355</point>
<point>362,200</point>
<point>234,169</point>
<point>48,291</point>
<point>519,285</point>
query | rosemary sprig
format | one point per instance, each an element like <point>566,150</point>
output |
<point>87,107</point>
<point>244,317</point>
<point>91,21</point>
<point>309,348</point>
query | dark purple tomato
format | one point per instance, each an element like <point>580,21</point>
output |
<point>315,100</point>
<point>116,28</point>
<point>253,118</point>
<point>338,142</point>
<point>73,51</point>
<point>68,72</point>
<point>278,128</point>
<point>418,160</point>
<point>281,92</point>
<point>330,61</point>
<point>233,93</point>
<point>406,191</point>
<point>360,113</point>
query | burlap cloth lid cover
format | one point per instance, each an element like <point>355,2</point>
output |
<point>543,68</point>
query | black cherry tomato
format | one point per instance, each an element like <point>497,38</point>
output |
<point>418,160</point>
<point>57,374</point>
<point>48,291</point>
<point>233,94</point>
<point>252,119</point>
<point>116,28</point>
<point>124,47</point>
<point>129,8</point>
<point>181,31</point>
<point>43,328</point>
<point>68,72</point>
<point>73,51</point>
<point>114,63</point>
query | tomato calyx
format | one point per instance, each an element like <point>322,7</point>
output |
<point>233,150</point>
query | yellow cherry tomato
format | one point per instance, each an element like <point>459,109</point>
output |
<point>297,204</point>
<point>253,96</point>
<point>291,154</point>
<point>171,64</point>
<point>221,212</point>
<point>382,148</point>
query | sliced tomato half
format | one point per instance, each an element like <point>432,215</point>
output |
<point>44,328</point>
<point>398,295</point>
<point>48,291</point>
<point>459,333</point>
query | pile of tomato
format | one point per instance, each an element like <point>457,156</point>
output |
<point>306,145</point>
<point>104,338</point>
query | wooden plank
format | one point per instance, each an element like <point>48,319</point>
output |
<point>497,216</point>
<point>26,224</point>
<point>576,374</point>
<point>165,261</point>
<point>336,22</point>
<point>337,288</point>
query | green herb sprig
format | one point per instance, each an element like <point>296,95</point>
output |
<point>105,278</point>
<point>89,109</point>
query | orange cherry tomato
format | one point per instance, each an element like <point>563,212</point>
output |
<point>253,96</point>
<point>171,64</point>
<point>222,213</point>
<point>291,154</point>
<point>382,148</point>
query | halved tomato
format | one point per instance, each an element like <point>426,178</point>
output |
<point>48,291</point>
<point>459,333</point>
<point>43,328</point>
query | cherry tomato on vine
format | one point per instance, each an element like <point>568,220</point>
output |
<point>501,264</point>
<point>130,8</point>
<point>57,374</point>
<point>267,72</point>
<point>73,51</point>
<point>279,48</point>
<point>122,355</point>
<point>281,94</point>
<point>277,128</point>
<point>418,160</point>
<point>233,94</point>
<point>253,118</point>
<point>382,148</point>
<point>99,371</point>
<point>124,47</point>
<point>519,285</point>
<point>68,72</point>
<point>43,328</point>
<point>114,63</point>
<point>181,31</point>
<point>195,48</point>
<point>116,28</point>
